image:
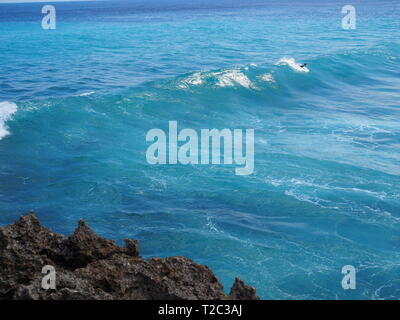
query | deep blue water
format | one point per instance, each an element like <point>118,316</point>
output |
<point>76,104</point>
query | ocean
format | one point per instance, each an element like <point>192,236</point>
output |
<point>77,102</point>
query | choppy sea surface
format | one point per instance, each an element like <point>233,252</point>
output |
<point>76,104</point>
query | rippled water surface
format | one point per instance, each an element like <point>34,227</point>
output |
<point>76,104</point>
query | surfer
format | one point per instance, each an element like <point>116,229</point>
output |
<point>303,65</point>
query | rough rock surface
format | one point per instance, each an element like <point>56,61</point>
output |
<point>240,291</point>
<point>90,267</point>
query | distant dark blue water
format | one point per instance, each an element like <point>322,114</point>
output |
<point>76,104</point>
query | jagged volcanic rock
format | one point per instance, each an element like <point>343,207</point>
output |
<point>90,267</point>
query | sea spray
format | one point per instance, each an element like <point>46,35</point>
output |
<point>7,109</point>
<point>291,62</point>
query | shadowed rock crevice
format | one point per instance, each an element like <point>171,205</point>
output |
<point>91,267</point>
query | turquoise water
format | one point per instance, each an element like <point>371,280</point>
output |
<point>76,104</point>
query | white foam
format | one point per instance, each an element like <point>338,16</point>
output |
<point>7,109</point>
<point>267,77</point>
<point>226,78</point>
<point>291,62</point>
<point>230,78</point>
<point>195,79</point>
<point>250,65</point>
<point>86,94</point>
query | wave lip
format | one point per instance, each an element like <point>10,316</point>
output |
<point>229,78</point>
<point>291,62</point>
<point>7,109</point>
<point>85,94</point>
<point>219,79</point>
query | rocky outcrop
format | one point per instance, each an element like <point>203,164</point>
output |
<point>88,266</point>
<point>240,291</point>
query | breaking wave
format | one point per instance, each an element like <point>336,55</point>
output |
<point>224,78</point>
<point>7,109</point>
<point>291,62</point>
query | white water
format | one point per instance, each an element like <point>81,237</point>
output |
<point>7,109</point>
<point>291,62</point>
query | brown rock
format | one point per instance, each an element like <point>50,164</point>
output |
<point>85,246</point>
<point>132,247</point>
<point>240,291</point>
<point>91,267</point>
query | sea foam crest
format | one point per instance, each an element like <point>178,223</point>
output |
<point>267,77</point>
<point>195,79</point>
<point>230,78</point>
<point>7,109</point>
<point>85,94</point>
<point>225,78</point>
<point>291,62</point>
